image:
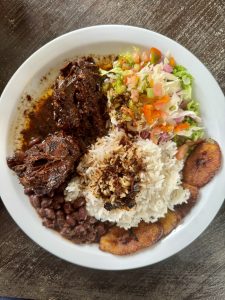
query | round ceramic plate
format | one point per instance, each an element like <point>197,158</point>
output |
<point>108,39</point>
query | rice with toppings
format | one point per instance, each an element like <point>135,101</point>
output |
<point>159,181</point>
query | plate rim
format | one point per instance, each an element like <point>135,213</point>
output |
<point>137,263</point>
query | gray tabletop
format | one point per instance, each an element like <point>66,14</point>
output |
<point>26,270</point>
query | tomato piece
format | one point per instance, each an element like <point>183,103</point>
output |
<point>147,110</point>
<point>181,126</point>
<point>132,81</point>
<point>167,128</point>
<point>145,56</point>
<point>155,55</point>
<point>136,58</point>
<point>159,104</point>
<point>157,89</point>
<point>134,95</point>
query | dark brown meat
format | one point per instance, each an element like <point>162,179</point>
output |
<point>45,166</point>
<point>78,102</point>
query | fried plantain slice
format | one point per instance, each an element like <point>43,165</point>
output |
<point>170,221</point>
<point>202,164</point>
<point>121,242</point>
<point>194,192</point>
<point>183,209</point>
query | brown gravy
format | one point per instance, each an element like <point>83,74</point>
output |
<point>40,122</point>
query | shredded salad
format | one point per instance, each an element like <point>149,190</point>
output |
<point>151,95</point>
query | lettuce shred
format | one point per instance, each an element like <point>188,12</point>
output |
<point>198,134</point>
<point>186,79</point>
<point>194,106</point>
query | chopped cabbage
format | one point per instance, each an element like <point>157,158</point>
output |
<point>194,106</point>
<point>186,80</point>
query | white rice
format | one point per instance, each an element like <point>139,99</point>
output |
<point>160,185</point>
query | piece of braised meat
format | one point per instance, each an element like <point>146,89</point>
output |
<point>78,102</point>
<point>45,166</point>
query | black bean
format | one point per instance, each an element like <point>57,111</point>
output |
<point>91,237</point>
<point>100,229</point>
<point>51,194</point>
<point>49,213</point>
<point>28,191</point>
<point>68,208</point>
<point>144,134</point>
<point>92,220</point>
<point>70,220</point>
<point>82,214</point>
<point>59,199</point>
<point>60,222</point>
<point>60,214</point>
<point>56,206</point>
<point>48,223</point>
<point>80,201</point>
<point>41,212</point>
<point>79,230</point>
<point>46,202</point>
<point>35,201</point>
<point>67,232</point>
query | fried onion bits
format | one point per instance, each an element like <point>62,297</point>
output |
<point>202,164</point>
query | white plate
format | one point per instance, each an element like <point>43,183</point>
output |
<point>104,40</point>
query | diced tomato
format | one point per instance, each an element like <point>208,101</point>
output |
<point>146,100</point>
<point>163,115</point>
<point>157,89</point>
<point>156,114</point>
<point>155,55</point>
<point>167,128</point>
<point>181,126</point>
<point>160,104</point>
<point>145,56</point>
<point>134,95</point>
<point>152,114</point>
<point>132,80</point>
<point>136,58</point>
<point>147,110</point>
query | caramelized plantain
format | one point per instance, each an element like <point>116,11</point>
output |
<point>170,221</point>
<point>121,242</point>
<point>194,192</point>
<point>183,209</point>
<point>202,164</point>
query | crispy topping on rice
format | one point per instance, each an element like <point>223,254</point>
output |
<point>126,180</point>
<point>118,178</point>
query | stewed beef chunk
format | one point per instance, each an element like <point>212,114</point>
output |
<point>45,166</point>
<point>78,102</point>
